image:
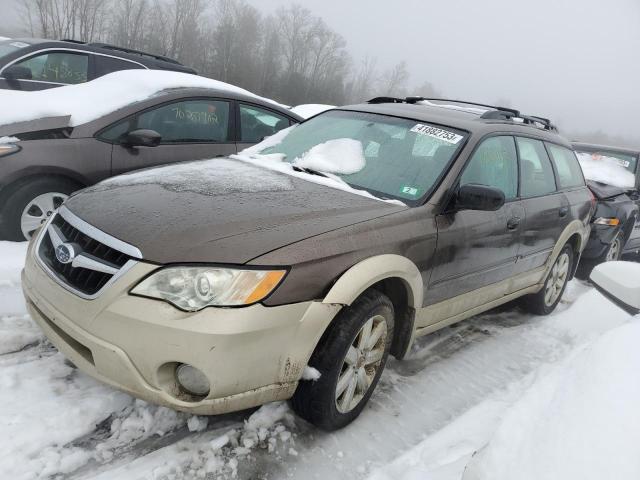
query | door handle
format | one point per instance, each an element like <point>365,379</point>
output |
<point>563,212</point>
<point>513,223</point>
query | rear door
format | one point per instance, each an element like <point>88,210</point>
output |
<point>191,129</point>
<point>547,210</point>
<point>476,248</point>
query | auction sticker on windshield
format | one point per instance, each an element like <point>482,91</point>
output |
<point>438,133</point>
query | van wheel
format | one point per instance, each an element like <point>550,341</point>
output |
<point>30,204</point>
<point>350,358</point>
<point>545,301</point>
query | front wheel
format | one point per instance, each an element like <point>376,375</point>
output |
<point>350,358</point>
<point>545,301</point>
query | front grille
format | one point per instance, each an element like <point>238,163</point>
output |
<point>85,280</point>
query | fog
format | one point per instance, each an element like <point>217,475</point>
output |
<point>575,62</point>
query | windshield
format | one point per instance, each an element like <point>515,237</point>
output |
<point>10,46</point>
<point>629,162</point>
<point>387,156</point>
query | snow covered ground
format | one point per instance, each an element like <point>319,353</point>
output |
<point>503,384</point>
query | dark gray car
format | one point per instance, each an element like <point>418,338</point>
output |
<point>38,64</point>
<point>51,159</point>
<point>616,223</point>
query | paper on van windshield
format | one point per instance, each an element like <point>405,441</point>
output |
<point>438,133</point>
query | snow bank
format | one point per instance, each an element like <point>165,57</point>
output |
<point>88,101</point>
<point>606,170</point>
<point>581,422</point>
<point>311,109</point>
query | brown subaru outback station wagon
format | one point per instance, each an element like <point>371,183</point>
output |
<point>210,286</point>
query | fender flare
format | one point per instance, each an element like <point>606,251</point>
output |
<point>576,226</point>
<point>366,273</point>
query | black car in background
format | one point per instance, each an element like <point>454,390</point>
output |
<point>613,177</point>
<point>37,64</point>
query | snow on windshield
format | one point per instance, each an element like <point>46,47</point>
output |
<point>600,168</point>
<point>321,158</point>
<point>88,101</point>
<point>342,156</point>
<point>206,177</point>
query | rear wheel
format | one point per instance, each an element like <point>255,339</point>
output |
<point>545,301</point>
<point>350,358</point>
<point>30,205</point>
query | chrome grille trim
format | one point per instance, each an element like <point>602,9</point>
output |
<point>86,260</point>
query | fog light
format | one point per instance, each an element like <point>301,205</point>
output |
<point>192,380</point>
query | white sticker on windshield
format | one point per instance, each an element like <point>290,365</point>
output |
<point>438,133</point>
<point>19,44</point>
<point>624,163</point>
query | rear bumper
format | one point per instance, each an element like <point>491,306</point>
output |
<point>250,355</point>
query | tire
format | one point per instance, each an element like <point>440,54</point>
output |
<point>538,303</point>
<point>317,401</point>
<point>613,253</point>
<point>50,192</point>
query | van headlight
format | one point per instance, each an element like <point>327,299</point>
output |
<point>194,288</point>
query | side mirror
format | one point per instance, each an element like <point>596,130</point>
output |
<point>16,72</point>
<point>142,138</point>
<point>620,283</point>
<point>479,197</point>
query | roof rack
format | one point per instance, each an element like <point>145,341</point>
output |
<point>108,46</point>
<point>495,112</point>
<point>80,42</point>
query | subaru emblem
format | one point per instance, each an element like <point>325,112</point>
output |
<point>65,253</point>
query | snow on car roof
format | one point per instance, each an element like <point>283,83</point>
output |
<point>89,101</point>
<point>310,109</point>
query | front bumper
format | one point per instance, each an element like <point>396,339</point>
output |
<point>250,355</point>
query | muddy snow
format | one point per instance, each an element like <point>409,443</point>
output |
<point>489,398</point>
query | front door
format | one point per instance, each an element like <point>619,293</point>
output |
<point>47,70</point>
<point>191,129</point>
<point>475,248</point>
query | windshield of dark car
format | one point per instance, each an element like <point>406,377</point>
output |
<point>629,162</point>
<point>10,46</point>
<point>387,156</point>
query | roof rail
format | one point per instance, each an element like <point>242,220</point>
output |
<point>493,113</point>
<point>108,46</point>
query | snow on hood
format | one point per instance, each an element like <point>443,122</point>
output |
<point>88,101</point>
<point>579,422</point>
<point>311,109</point>
<point>320,158</point>
<point>606,170</point>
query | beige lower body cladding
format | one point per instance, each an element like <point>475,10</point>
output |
<point>250,355</point>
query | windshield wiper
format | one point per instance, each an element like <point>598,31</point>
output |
<point>310,171</point>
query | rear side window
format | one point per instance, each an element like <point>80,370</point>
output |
<point>257,123</point>
<point>494,164</point>
<point>57,67</point>
<point>536,172</point>
<point>106,65</point>
<point>567,166</point>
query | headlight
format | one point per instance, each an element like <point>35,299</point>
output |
<point>611,222</point>
<point>8,149</point>
<point>194,288</point>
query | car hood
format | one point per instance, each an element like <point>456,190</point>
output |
<point>221,210</point>
<point>40,124</point>
<point>602,191</point>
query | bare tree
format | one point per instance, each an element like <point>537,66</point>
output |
<point>394,81</point>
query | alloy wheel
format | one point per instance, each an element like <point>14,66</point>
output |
<point>614,250</point>
<point>361,363</point>
<point>39,210</point>
<point>557,279</point>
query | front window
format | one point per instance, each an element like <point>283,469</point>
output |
<point>57,67</point>
<point>387,156</point>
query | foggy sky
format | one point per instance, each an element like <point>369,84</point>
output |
<point>575,61</point>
